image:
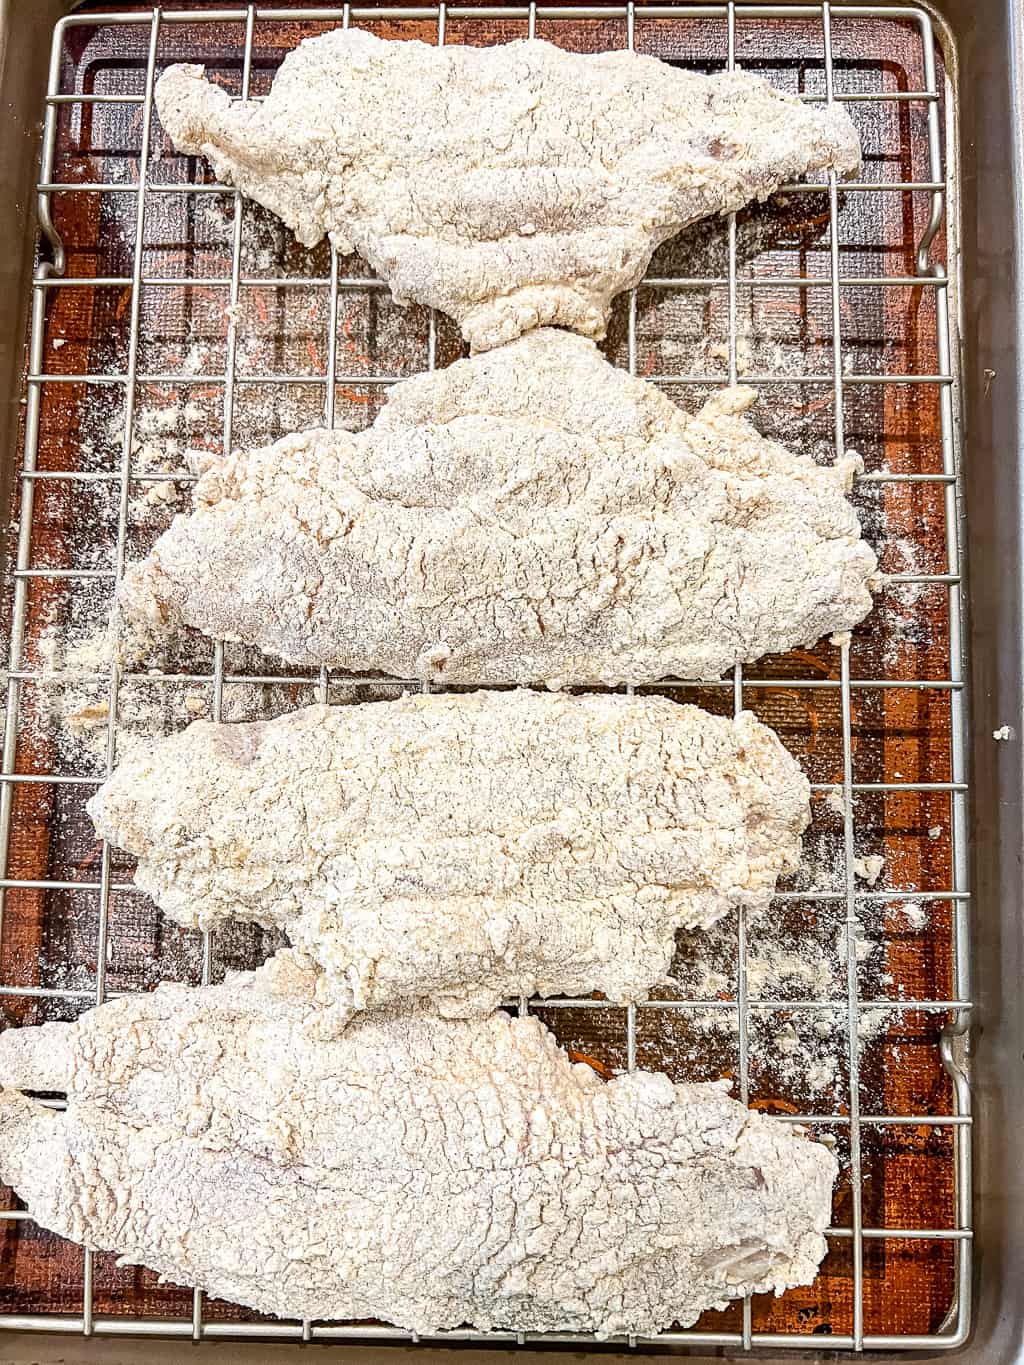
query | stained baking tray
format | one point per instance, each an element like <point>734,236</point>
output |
<point>194,312</point>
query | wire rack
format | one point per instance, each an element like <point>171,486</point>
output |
<point>861,712</point>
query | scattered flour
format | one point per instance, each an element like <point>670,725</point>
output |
<point>796,1053</point>
<point>197,358</point>
<point>812,972</point>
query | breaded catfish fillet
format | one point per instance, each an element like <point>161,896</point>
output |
<point>530,515</point>
<point>512,186</point>
<point>424,1171</point>
<point>467,848</point>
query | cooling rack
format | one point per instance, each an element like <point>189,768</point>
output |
<point>163,304</point>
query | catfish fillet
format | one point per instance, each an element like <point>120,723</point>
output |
<point>530,515</point>
<point>510,186</point>
<point>466,848</point>
<point>426,1172</point>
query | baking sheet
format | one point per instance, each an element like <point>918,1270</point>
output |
<point>898,734</point>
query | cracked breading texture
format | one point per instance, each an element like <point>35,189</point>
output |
<point>419,1170</point>
<point>530,515</point>
<point>511,186</point>
<point>466,847</point>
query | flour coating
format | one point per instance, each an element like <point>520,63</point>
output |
<point>466,848</point>
<point>422,1171</point>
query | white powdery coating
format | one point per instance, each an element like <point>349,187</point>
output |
<point>531,515</point>
<point>510,186</point>
<point>426,1172</point>
<point>467,848</point>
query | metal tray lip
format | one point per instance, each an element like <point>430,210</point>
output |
<point>944,25</point>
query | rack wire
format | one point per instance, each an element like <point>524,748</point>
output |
<point>841,682</point>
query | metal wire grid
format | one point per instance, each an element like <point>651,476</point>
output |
<point>50,276</point>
